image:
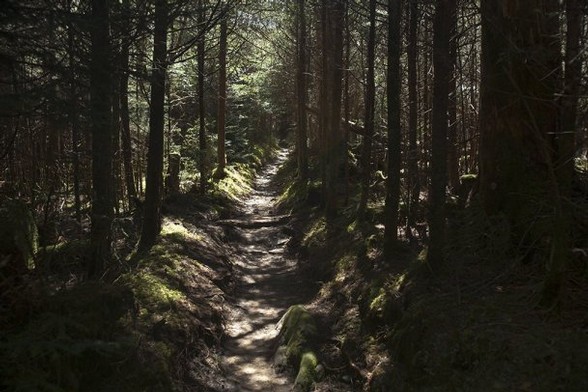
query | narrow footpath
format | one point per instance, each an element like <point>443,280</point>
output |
<point>268,283</point>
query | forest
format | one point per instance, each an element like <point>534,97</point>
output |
<point>295,195</point>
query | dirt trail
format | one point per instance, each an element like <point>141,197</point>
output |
<point>269,283</point>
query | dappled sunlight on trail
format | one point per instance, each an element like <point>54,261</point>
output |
<point>269,283</point>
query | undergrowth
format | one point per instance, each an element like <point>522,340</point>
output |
<point>152,325</point>
<point>473,324</point>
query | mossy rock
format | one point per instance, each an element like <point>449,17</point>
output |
<point>307,372</point>
<point>298,332</point>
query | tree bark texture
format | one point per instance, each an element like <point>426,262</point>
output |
<point>370,97</point>
<point>394,134</point>
<point>126,143</point>
<point>519,117</point>
<point>101,117</point>
<point>201,104</point>
<point>301,136</point>
<point>222,99</point>
<point>413,150</point>
<point>153,191</point>
<point>444,12</point>
<point>75,127</point>
<point>452,153</point>
<point>334,149</point>
<point>566,143</point>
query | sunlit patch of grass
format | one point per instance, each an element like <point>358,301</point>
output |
<point>153,292</point>
<point>295,194</point>
<point>176,231</point>
<point>237,181</point>
<point>345,266</point>
<point>378,303</point>
<point>317,232</point>
<point>288,194</point>
<point>399,280</point>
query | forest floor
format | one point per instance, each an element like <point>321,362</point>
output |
<point>199,312</point>
<point>202,311</point>
<point>268,282</point>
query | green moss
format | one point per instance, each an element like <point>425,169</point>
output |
<point>379,302</point>
<point>64,256</point>
<point>153,292</point>
<point>317,233</point>
<point>154,283</point>
<point>294,194</point>
<point>307,374</point>
<point>466,178</point>
<point>78,342</point>
<point>237,181</point>
<point>352,226</point>
<point>289,195</point>
<point>176,231</point>
<point>298,328</point>
<point>298,331</point>
<point>344,266</point>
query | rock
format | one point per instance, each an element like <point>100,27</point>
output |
<point>280,359</point>
<point>298,331</point>
<point>307,373</point>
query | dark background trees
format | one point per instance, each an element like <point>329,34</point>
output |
<point>101,85</point>
<point>79,83</point>
<point>411,121</point>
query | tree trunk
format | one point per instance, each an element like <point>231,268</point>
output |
<point>302,149</point>
<point>569,103</point>
<point>125,122</point>
<point>370,97</point>
<point>337,148</point>
<point>153,191</point>
<point>334,147</point>
<point>172,179</point>
<point>101,117</point>
<point>426,116</point>
<point>75,127</point>
<point>323,118</point>
<point>116,163</point>
<point>564,146</point>
<point>201,105</point>
<point>346,104</point>
<point>518,114</point>
<point>222,98</point>
<point>413,168</point>
<point>444,12</point>
<point>452,157</point>
<point>394,135</point>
